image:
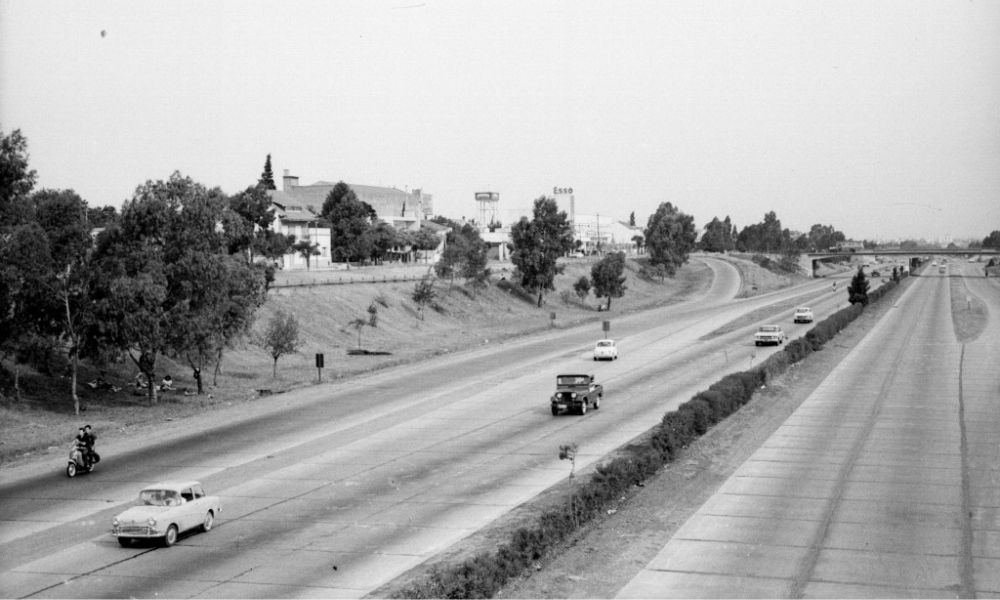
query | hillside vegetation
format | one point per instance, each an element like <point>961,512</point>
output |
<point>460,318</point>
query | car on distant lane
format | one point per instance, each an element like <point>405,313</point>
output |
<point>769,334</point>
<point>164,511</point>
<point>605,350</point>
<point>803,314</point>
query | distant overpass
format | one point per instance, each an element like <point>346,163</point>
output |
<point>810,260</point>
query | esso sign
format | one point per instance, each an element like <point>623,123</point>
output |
<point>562,190</point>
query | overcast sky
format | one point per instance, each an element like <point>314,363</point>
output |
<point>881,118</point>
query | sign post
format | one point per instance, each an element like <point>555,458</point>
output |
<point>319,367</point>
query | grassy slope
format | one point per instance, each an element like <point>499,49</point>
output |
<point>43,421</point>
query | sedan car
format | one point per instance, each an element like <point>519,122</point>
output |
<point>769,334</point>
<point>803,314</point>
<point>605,350</point>
<point>164,511</point>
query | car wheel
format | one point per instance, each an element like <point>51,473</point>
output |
<point>583,408</point>
<point>71,470</point>
<point>595,359</point>
<point>206,525</point>
<point>171,536</point>
<point>124,541</point>
<point>597,403</point>
<point>756,343</point>
<point>555,411</point>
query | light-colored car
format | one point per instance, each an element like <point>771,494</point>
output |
<point>803,314</point>
<point>164,511</point>
<point>769,334</point>
<point>605,350</point>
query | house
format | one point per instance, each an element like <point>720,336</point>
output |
<point>297,211</point>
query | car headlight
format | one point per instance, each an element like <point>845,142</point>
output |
<point>151,522</point>
<point>573,395</point>
<point>114,522</point>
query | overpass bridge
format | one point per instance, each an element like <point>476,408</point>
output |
<point>809,261</point>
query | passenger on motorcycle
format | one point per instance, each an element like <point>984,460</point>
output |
<point>86,439</point>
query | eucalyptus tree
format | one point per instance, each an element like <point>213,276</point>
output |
<point>538,243</point>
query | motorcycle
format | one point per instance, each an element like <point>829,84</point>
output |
<point>78,461</point>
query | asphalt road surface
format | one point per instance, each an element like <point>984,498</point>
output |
<point>884,483</point>
<point>335,490</point>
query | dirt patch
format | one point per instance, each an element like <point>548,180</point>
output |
<point>610,551</point>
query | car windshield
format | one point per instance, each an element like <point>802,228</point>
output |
<point>769,328</point>
<point>573,380</point>
<point>802,310</point>
<point>159,497</point>
<point>605,343</point>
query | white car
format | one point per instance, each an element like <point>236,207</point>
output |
<point>803,314</point>
<point>769,334</point>
<point>164,511</point>
<point>605,350</point>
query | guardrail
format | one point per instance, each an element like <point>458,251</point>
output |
<point>348,281</point>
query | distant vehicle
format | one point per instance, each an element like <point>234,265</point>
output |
<point>876,274</point>
<point>164,511</point>
<point>605,350</point>
<point>769,334</point>
<point>942,270</point>
<point>576,393</point>
<point>803,314</point>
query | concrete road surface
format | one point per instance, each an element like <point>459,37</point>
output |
<point>334,490</point>
<point>884,483</point>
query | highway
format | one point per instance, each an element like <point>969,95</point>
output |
<point>335,490</point>
<point>884,483</point>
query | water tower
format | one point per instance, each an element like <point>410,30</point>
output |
<point>489,208</point>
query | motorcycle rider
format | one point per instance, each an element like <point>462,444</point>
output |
<point>86,438</point>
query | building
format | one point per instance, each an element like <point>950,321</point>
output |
<point>297,211</point>
<point>604,234</point>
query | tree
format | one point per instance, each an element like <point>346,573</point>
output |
<point>639,242</point>
<point>714,238</point>
<point>465,255</point>
<point>609,282</point>
<point>582,287</point>
<point>247,223</point>
<point>63,215</point>
<point>162,278</point>
<point>359,324</point>
<point>25,262</point>
<point>824,237</point>
<point>538,243</point>
<point>992,240</point>
<point>16,179</point>
<point>306,250</point>
<point>267,176</point>
<point>426,240</point>
<point>670,237</point>
<point>103,216</point>
<point>351,222</point>
<point>281,337</point>
<point>423,294</point>
<point>857,292</point>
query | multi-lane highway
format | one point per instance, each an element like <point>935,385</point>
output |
<point>335,490</point>
<point>884,483</point>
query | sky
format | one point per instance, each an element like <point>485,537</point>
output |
<point>879,117</point>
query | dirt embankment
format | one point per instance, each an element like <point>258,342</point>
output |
<point>42,422</point>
